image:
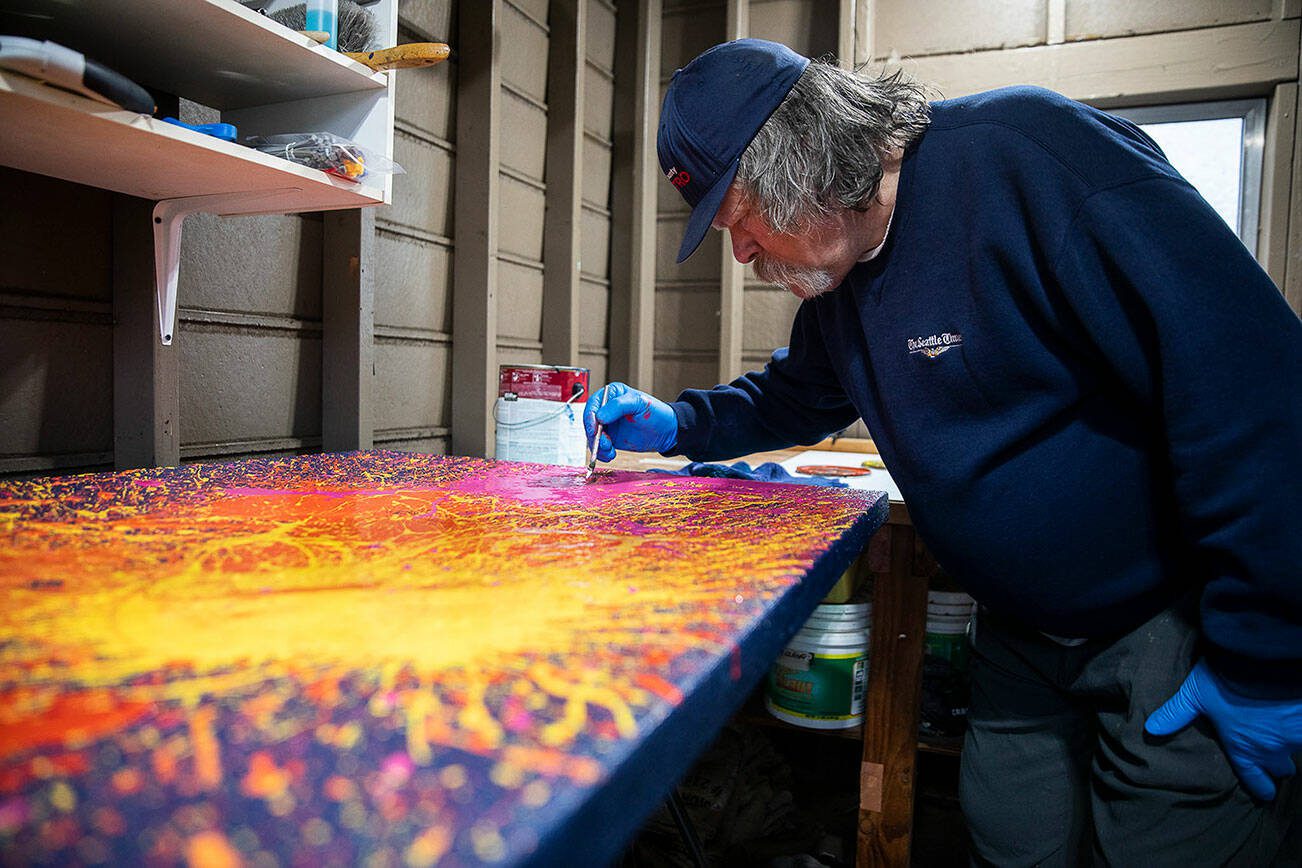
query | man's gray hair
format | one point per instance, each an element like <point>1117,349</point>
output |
<point>822,149</point>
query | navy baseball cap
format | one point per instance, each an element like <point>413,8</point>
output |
<point>713,108</point>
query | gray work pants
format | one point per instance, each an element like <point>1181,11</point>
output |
<point>1058,771</point>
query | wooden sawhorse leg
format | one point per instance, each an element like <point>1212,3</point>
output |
<point>890,732</point>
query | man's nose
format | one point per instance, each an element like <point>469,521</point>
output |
<point>744,248</point>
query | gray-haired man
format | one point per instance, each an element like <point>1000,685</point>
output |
<point>1090,396</point>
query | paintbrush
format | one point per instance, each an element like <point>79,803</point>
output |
<point>596,440</point>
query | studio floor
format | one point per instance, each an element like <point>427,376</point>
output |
<point>778,797</point>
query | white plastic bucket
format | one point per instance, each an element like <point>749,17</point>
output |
<point>820,679</point>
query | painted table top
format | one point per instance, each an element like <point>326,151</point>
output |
<point>383,658</point>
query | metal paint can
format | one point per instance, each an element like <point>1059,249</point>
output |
<point>820,679</point>
<point>538,431</point>
<point>543,382</point>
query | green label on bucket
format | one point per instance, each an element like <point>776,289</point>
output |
<point>831,688</point>
<point>948,646</point>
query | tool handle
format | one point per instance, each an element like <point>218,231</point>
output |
<point>411,55</point>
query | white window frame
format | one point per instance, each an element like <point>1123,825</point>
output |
<point>1253,114</point>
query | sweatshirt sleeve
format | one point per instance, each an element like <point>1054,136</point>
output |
<point>796,399</point>
<point>1186,322</point>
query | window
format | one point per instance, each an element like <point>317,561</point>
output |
<point>1217,146</point>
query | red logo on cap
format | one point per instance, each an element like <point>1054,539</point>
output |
<point>679,178</point>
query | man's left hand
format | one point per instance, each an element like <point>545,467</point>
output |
<point>1259,735</point>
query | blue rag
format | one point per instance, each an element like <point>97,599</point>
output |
<point>769,471</point>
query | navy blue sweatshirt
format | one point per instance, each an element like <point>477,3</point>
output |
<point>1088,391</point>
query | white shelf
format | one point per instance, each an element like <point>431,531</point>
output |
<point>261,76</point>
<point>53,132</point>
<point>215,52</point>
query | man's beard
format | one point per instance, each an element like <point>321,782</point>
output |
<point>802,281</point>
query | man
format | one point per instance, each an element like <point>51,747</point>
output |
<point>1091,398</point>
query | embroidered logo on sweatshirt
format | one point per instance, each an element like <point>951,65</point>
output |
<point>934,345</point>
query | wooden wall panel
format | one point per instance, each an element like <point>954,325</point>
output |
<point>524,133</point>
<point>521,228</point>
<point>1100,19</point>
<point>421,197</point>
<point>811,28</point>
<point>688,29</point>
<point>1213,63</point>
<point>601,33</point>
<point>418,394</point>
<point>536,9</point>
<point>596,173</point>
<point>428,20</point>
<point>687,300</point>
<point>56,387</point>
<point>701,267</point>
<point>678,371</point>
<point>596,244</point>
<point>512,354</point>
<point>1278,179</point>
<point>769,313</point>
<point>634,191</point>
<point>413,288</point>
<point>594,325</point>
<point>689,317</point>
<point>348,266</point>
<point>54,238</point>
<point>424,102</point>
<point>56,325</point>
<point>598,365</point>
<point>414,251</point>
<point>262,264</point>
<point>1293,266</point>
<point>808,26</point>
<point>921,27</point>
<point>519,306</point>
<point>524,58</point>
<point>596,166</point>
<point>243,381</point>
<point>598,104</point>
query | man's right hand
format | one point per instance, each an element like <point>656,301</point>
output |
<point>630,420</point>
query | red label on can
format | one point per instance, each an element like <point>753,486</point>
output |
<point>546,382</point>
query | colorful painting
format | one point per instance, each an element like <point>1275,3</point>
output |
<point>381,658</point>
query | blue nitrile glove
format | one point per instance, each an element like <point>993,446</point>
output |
<point>630,420</point>
<point>1259,735</point>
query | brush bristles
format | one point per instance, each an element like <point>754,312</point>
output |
<point>356,24</point>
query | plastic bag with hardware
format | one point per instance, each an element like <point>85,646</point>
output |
<point>327,152</point>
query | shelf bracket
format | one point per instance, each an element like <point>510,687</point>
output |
<point>169,216</point>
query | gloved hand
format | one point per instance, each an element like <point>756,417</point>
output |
<point>631,420</point>
<point>1259,735</point>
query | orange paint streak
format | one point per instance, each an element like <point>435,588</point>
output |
<point>265,779</point>
<point>211,850</point>
<point>163,762</point>
<point>555,763</point>
<point>55,720</point>
<point>207,751</point>
<point>657,685</point>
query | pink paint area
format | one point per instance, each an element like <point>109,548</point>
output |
<point>531,483</point>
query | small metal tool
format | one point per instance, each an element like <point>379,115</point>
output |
<point>596,440</point>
